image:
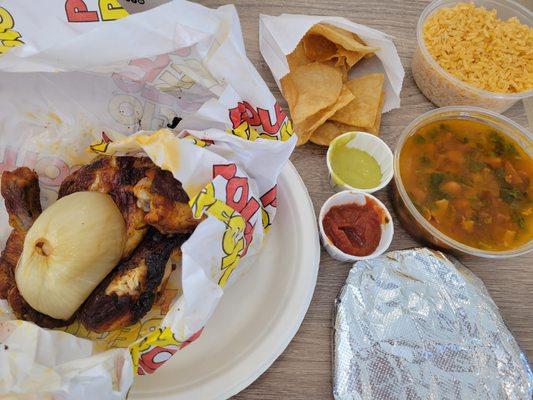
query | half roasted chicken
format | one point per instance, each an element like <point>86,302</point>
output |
<point>102,252</point>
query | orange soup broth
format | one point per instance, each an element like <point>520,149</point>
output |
<point>471,182</point>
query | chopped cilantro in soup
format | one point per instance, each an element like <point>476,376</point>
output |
<point>471,182</point>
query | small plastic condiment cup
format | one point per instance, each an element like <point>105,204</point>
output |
<point>374,146</point>
<point>360,198</point>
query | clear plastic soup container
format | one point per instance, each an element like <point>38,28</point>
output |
<point>442,88</point>
<point>410,217</point>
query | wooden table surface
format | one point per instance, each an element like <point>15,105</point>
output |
<point>304,370</point>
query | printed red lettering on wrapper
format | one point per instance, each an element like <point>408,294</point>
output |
<point>77,12</point>
<point>244,112</point>
<point>237,192</point>
<point>110,10</point>
<point>154,358</point>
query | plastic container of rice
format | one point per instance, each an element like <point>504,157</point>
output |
<point>496,83</point>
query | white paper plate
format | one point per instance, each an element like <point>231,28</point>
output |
<point>257,317</point>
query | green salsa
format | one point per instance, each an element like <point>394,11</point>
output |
<point>354,167</point>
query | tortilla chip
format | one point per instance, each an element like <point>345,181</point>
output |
<point>345,58</point>
<point>340,61</point>
<point>377,124</point>
<point>328,131</point>
<point>364,109</point>
<point>343,38</point>
<point>311,88</point>
<point>351,57</point>
<point>325,133</point>
<point>298,57</point>
<point>290,91</point>
<point>341,67</point>
<point>306,128</point>
<point>346,128</point>
<point>374,129</point>
<point>319,48</point>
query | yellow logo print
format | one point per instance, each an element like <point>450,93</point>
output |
<point>265,219</point>
<point>100,147</point>
<point>233,240</point>
<point>111,10</point>
<point>245,131</point>
<point>145,352</point>
<point>232,244</point>
<point>196,141</point>
<point>286,130</point>
<point>8,37</point>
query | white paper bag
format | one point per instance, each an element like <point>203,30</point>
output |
<point>97,78</point>
<point>279,36</point>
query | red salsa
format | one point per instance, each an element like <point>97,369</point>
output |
<point>355,229</point>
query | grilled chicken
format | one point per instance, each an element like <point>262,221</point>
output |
<point>165,201</point>
<point>20,189</point>
<point>115,176</point>
<point>129,292</point>
<point>145,195</point>
<point>158,220</point>
<point>21,192</point>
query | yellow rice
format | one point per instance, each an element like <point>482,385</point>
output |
<point>475,46</point>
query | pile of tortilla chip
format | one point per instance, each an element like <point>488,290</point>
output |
<point>323,102</point>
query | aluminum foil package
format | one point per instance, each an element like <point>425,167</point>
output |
<point>412,324</point>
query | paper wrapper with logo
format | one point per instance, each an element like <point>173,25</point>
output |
<point>98,81</point>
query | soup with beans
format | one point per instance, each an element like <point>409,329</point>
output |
<point>471,182</point>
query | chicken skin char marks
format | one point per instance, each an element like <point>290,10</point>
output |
<point>144,193</point>
<point>130,290</point>
<point>158,220</point>
<point>20,190</point>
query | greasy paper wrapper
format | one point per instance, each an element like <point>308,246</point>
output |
<point>412,324</point>
<point>279,36</point>
<point>96,80</point>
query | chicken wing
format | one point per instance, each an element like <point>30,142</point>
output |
<point>165,201</point>
<point>129,291</point>
<point>20,189</point>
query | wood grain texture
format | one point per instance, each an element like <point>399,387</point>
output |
<point>304,369</point>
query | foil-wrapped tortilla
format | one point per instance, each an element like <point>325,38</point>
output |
<point>413,324</point>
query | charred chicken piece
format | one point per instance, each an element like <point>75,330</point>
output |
<point>144,193</point>
<point>21,193</point>
<point>116,176</point>
<point>129,291</point>
<point>8,261</point>
<point>20,189</point>
<point>165,201</point>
